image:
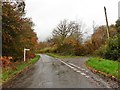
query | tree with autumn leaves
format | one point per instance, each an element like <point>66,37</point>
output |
<point>101,46</point>
<point>67,40</point>
<point>17,31</point>
<point>0,28</point>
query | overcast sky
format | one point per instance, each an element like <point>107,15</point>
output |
<point>46,14</point>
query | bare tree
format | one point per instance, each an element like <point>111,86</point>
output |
<point>61,29</point>
<point>67,29</point>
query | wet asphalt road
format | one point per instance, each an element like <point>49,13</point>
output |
<point>51,73</point>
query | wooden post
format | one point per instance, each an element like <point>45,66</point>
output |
<point>108,35</point>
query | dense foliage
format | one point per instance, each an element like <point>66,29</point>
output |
<point>67,40</point>
<point>110,50</point>
<point>67,36</point>
<point>0,28</point>
<point>17,31</point>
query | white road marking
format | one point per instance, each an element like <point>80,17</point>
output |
<point>78,71</point>
<point>83,69</point>
<point>78,67</point>
<point>83,74</point>
<point>73,68</point>
<point>86,71</point>
<point>87,76</point>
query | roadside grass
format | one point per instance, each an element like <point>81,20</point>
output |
<point>9,73</point>
<point>61,56</point>
<point>107,66</point>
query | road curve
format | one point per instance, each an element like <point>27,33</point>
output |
<point>51,73</point>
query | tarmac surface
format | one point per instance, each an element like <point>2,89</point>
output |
<point>50,72</point>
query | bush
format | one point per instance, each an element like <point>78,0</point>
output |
<point>30,55</point>
<point>80,50</point>
<point>66,49</point>
<point>48,50</point>
<point>101,51</point>
<point>110,50</point>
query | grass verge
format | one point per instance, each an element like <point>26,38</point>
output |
<point>104,65</point>
<point>61,56</point>
<point>9,73</point>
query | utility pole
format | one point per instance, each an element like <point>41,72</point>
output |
<point>108,34</point>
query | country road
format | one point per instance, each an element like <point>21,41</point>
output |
<point>49,72</point>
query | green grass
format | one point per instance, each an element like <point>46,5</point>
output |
<point>7,74</point>
<point>104,65</point>
<point>61,56</point>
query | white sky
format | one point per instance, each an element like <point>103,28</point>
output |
<point>46,14</point>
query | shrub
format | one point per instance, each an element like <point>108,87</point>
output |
<point>30,55</point>
<point>110,50</point>
<point>80,50</point>
<point>7,62</point>
<point>101,51</point>
<point>66,49</point>
<point>48,50</point>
